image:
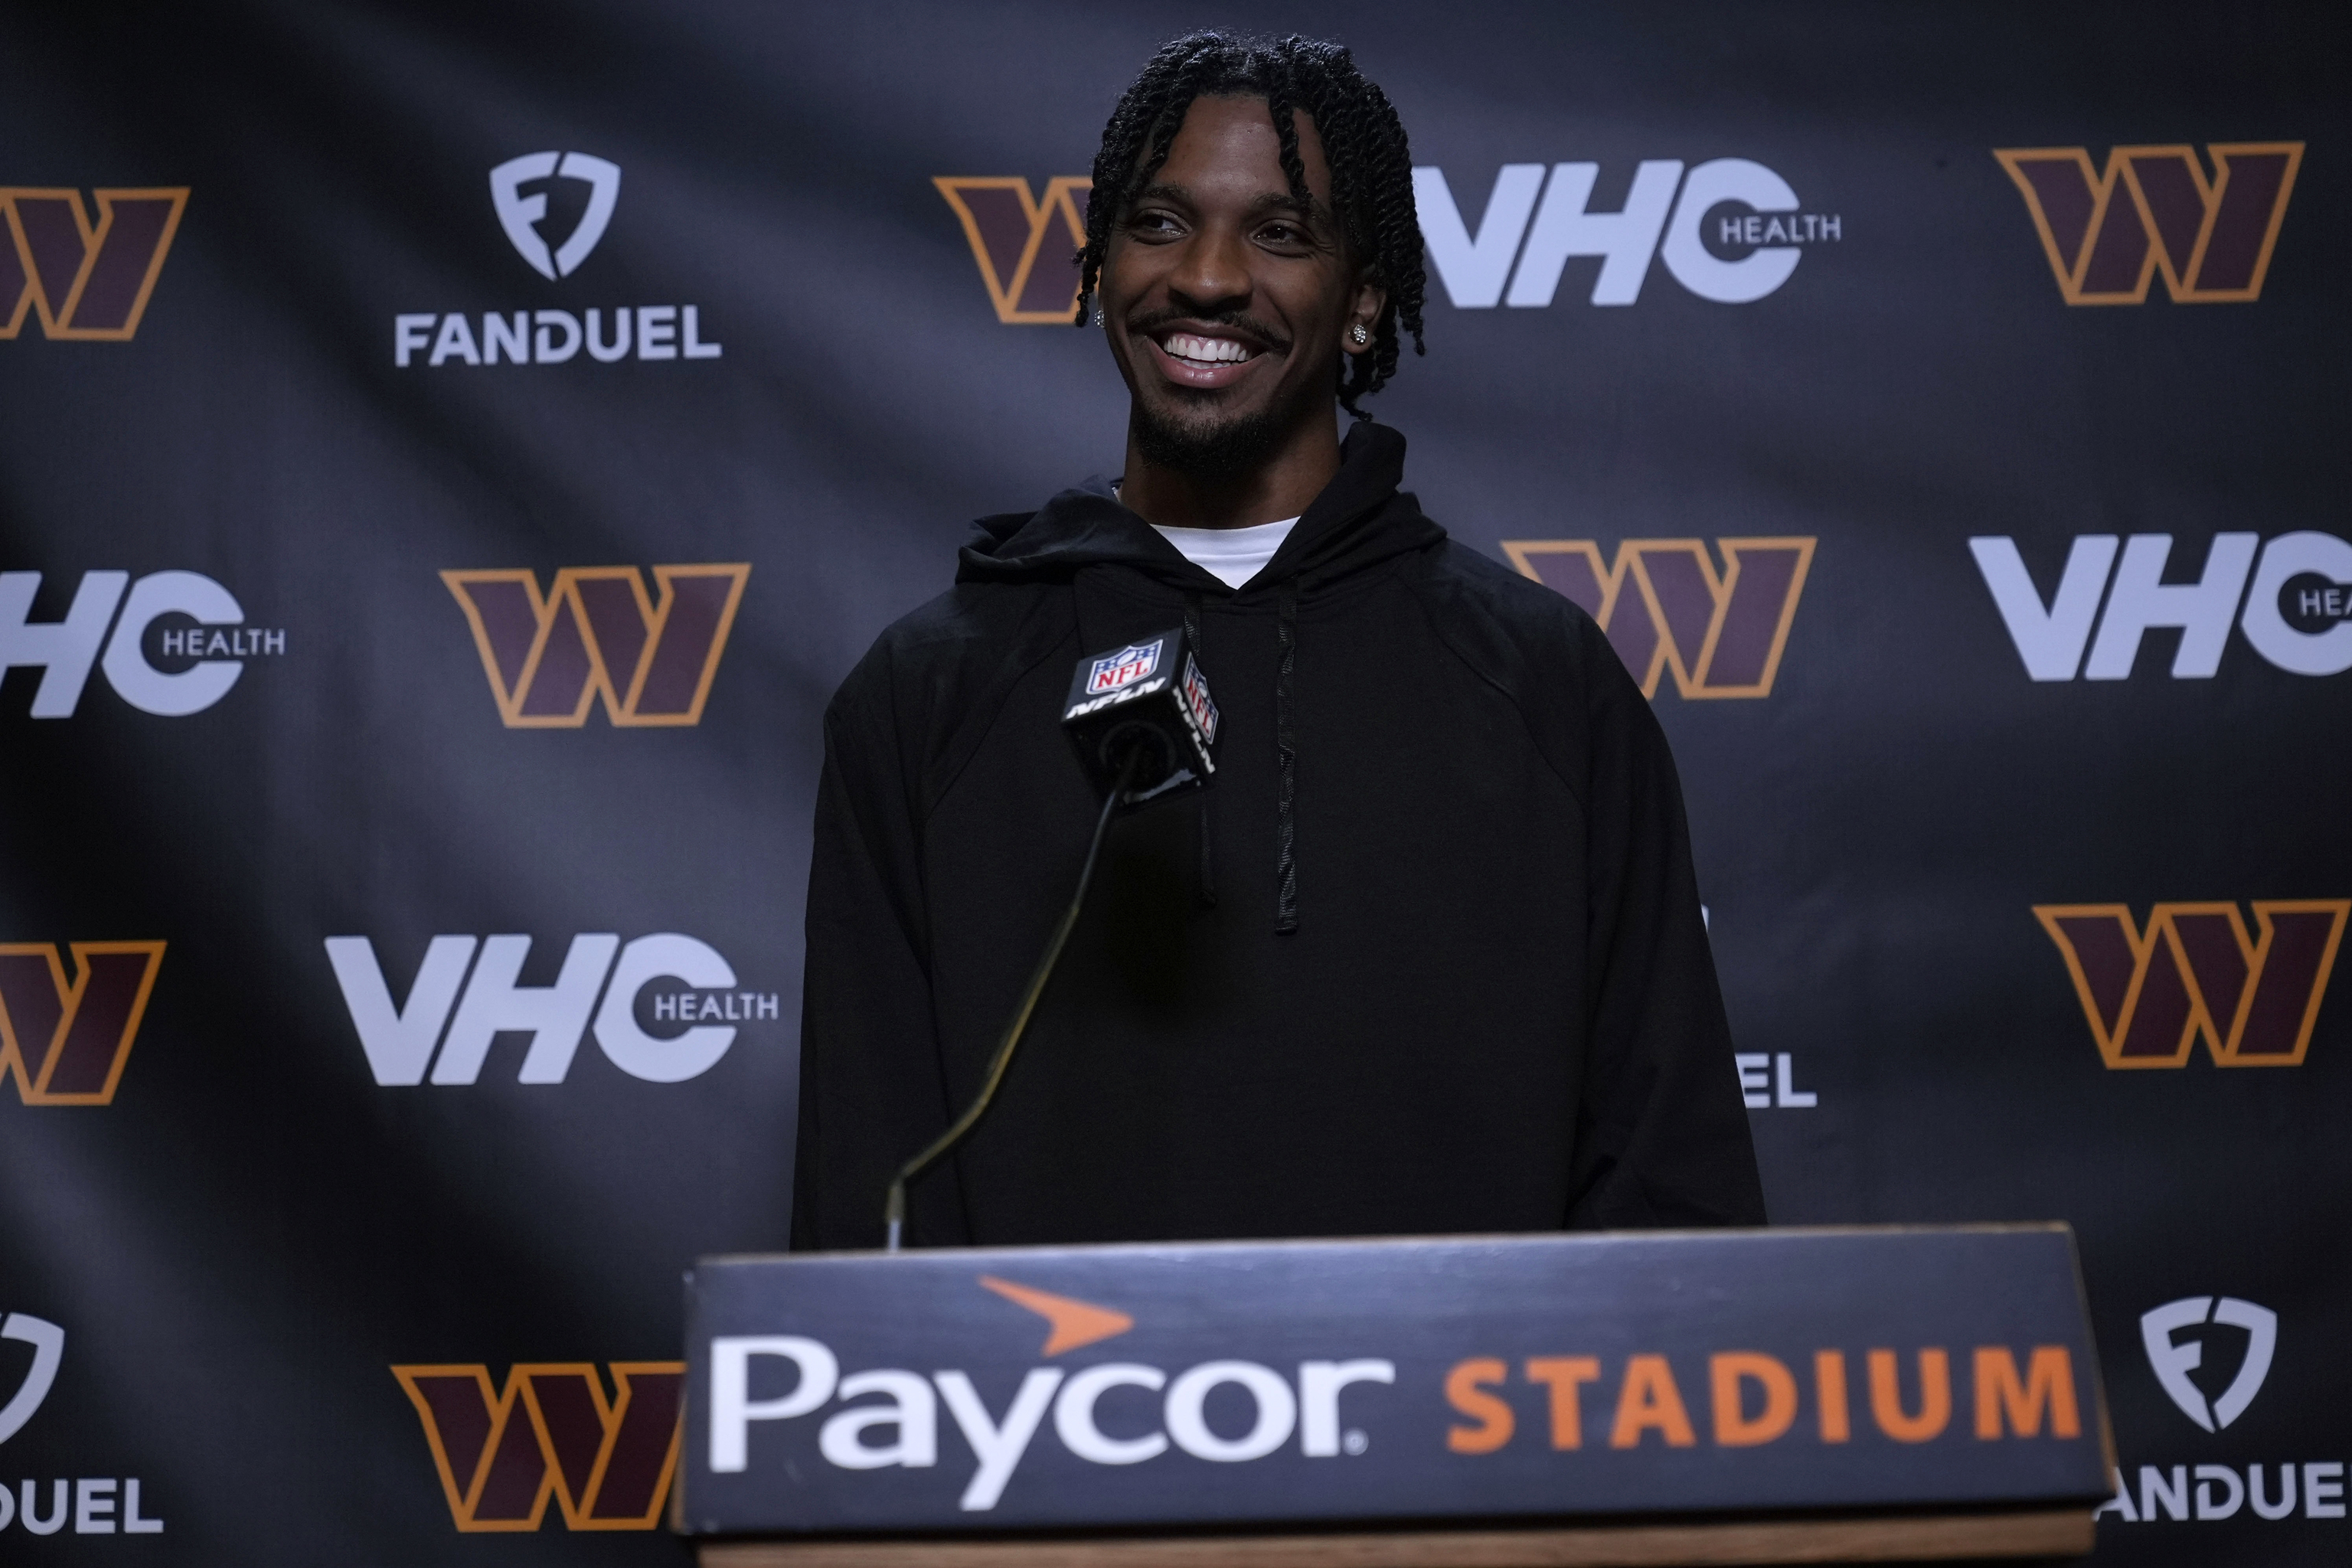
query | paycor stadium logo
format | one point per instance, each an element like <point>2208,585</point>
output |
<point>66,1041</point>
<point>2107,235</point>
<point>83,280</point>
<point>553,1432</point>
<point>596,633</point>
<point>1667,606</point>
<point>2194,972</point>
<point>890,1417</point>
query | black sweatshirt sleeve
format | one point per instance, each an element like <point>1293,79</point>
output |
<point>1662,1136</point>
<point>871,1094</point>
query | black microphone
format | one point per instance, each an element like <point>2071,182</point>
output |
<point>1144,726</point>
<point>1149,699</point>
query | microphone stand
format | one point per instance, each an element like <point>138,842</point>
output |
<point>893,1208</point>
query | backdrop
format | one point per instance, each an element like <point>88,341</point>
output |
<point>448,462</point>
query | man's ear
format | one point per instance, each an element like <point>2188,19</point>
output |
<point>1363,310</point>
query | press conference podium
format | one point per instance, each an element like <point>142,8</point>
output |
<point>1724,1397</point>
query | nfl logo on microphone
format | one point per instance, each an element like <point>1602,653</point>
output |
<point>1125,668</point>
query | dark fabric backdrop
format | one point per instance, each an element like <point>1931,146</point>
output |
<point>243,1233</point>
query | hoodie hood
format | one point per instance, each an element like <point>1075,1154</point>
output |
<point>1359,520</point>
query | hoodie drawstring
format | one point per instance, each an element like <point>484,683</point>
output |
<point>1205,877</point>
<point>1286,742</point>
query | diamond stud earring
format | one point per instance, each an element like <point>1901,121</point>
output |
<point>1361,336</point>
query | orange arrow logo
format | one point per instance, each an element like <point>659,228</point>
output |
<point>1075,1323</point>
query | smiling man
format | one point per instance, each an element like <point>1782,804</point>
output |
<point>1426,954</point>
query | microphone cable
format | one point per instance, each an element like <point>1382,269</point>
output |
<point>893,1208</point>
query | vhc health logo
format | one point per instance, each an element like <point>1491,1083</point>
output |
<point>1667,606</point>
<point>553,208</point>
<point>85,280</point>
<point>2195,973</point>
<point>2295,591</point>
<point>2210,1355</point>
<point>670,1007</point>
<point>1729,230</point>
<point>2155,210</point>
<point>553,1432</point>
<point>91,1505</point>
<point>597,634</point>
<point>66,1041</point>
<point>178,645</point>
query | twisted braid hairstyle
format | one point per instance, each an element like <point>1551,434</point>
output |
<point>1371,167</point>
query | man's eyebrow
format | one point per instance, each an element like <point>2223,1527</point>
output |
<point>1270,201</point>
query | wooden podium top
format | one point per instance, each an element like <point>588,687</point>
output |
<point>1758,1396</point>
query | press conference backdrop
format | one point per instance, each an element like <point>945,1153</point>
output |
<point>449,460</point>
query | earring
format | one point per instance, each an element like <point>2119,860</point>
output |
<point>1098,320</point>
<point>1360,336</point>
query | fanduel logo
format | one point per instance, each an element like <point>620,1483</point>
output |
<point>1026,245</point>
<point>552,336</point>
<point>701,1000</point>
<point>48,1342</point>
<point>67,1042</point>
<point>2298,613</point>
<point>94,1505</point>
<point>176,650</point>
<point>2193,973</point>
<point>1721,632</point>
<point>607,1460</point>
<point>2172,1359</point>
<point>84,281</point>
<point>519,215</point>
<point>2155,210</point>
<point>598,633</point>
<point>2211,1492</point>
<point>1730,230</point>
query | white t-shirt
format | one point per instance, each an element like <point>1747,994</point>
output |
<point>1231,555</point>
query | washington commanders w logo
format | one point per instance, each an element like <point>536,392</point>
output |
<point>606,1461</point>
<point>65,1042</point>
<point>2154,210</point>
<point>2193,973</point>
<point>83,280</point>
<point>1025,246</point>
<point>1666,605</point>
<point>597,633</point>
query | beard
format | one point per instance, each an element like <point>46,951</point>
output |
<point>1205,447</point>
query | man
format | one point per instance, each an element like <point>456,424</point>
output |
<point>1426,954</point>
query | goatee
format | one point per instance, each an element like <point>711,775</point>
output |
<point>1226,449</point>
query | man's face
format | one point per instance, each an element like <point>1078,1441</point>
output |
<point>1226,304</point>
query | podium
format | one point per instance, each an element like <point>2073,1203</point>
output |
<point>1662,1398</point>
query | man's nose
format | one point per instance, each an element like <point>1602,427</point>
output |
<point>1213,273</point>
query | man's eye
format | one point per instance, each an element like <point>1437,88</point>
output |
<point>1281,233</point>
<point>1152,223</point>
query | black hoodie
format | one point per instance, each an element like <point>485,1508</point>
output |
<point>1424,956</point>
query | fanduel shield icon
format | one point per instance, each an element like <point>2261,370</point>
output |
<point>2172,1361</point>
<point>48,1342</point>
<point>519,215</point>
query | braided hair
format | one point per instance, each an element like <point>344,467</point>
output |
<point>1371,168</point>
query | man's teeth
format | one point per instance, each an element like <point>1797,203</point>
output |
<point>1205,351</point>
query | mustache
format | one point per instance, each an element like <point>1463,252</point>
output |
<point>1240,321</point>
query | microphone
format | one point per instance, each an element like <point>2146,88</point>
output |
<point>1144,726</point>
<point>1150,699</point>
